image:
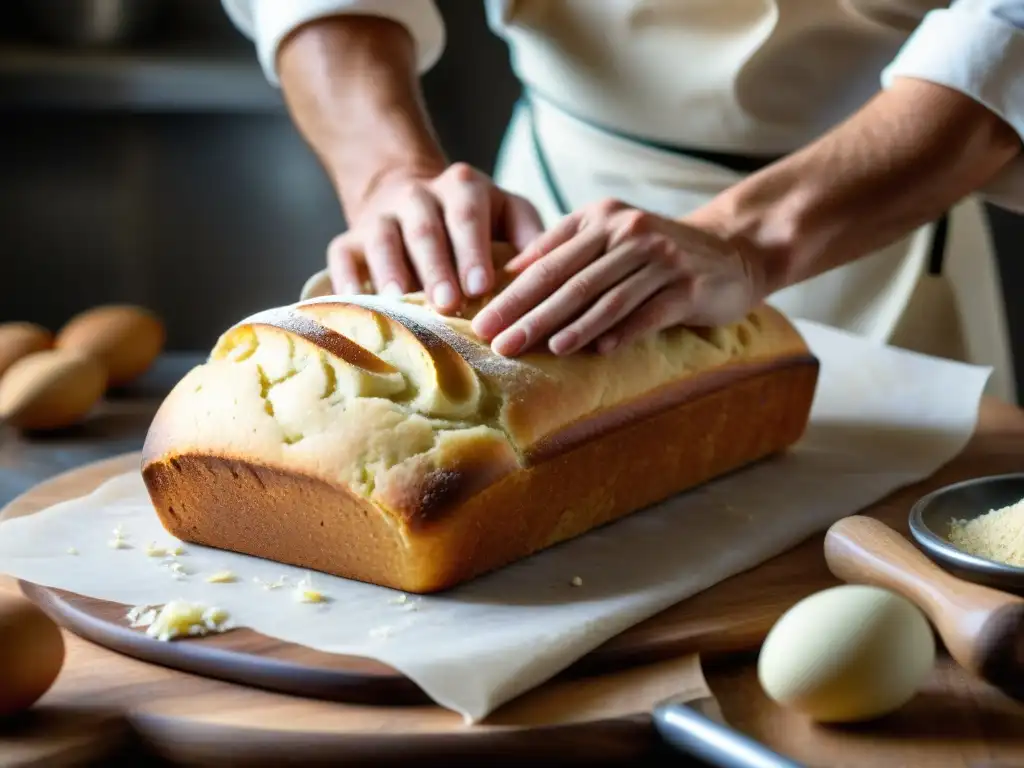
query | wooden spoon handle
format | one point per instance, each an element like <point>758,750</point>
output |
<point>862,550</point>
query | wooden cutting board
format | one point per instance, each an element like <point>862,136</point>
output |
<point>193,717</point>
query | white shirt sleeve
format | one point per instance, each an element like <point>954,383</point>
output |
<point>975,47</point>
<point>268,22</point>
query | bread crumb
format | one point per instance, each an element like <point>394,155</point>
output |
<point>178,551</point>
<point>120,539</point>
<point>141,616</point>
<point>72,551</point>
<point>152,550</point>
<point>997,535</point>
<point>221,577</point>
<point>576,581</point>
<point>181,619</point>
<point>400,600</point>
<point>305,593</point>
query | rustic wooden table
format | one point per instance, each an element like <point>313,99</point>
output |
<point>957,721</point>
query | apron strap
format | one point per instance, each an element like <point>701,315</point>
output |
<point>937,253</point>
<point>734,162</point>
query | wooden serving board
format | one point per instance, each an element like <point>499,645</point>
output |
<point>204,720</point>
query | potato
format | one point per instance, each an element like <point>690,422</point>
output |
<point>31,654</point>
<point>19,339</point>
<point>51,389</point>
<point>126,339</point>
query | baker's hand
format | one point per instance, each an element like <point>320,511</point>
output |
<point>431,233</point>
<point>612,273</point>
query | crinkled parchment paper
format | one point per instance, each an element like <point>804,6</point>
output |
<point>882,419</point>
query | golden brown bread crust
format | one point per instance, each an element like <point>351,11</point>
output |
<point>375,440</point>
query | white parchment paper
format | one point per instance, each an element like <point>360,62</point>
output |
<point>882,418</point>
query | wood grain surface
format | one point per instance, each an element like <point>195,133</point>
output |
<point>103,700</point>
<point>957,721</point>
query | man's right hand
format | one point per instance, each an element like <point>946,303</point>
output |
<point>432,233</point>
<point>415,222</point>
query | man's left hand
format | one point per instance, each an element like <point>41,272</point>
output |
<point>611,273</point>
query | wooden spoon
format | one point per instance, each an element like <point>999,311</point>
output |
<point>982,628</point>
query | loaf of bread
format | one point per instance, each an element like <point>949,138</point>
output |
<point>376,440</point>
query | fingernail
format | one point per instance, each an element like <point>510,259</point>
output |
<point>562,342</point>
<point>486,324</point>
<point>392,290</point>
<point>444,295</point>
<point>476,281</point>
<point>607,345</point>
<point>510,342</point>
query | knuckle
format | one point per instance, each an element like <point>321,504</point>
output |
<point>516,302</point>
<point>633,222</point>
<point>422,231</point>
<point>544,271</point>
<point>578,290</point>
<point>615,302</point>
<point>416,196</point>
<point>607,206</point>
<point>381,235</point>
<point>461,172</point>
<point>663,253</point>
<point>468,212</point>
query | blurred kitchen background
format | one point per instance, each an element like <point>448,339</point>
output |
<point>150,162</point>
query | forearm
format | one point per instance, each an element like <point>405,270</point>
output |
<point>352,89</point>
<point>901,161</point>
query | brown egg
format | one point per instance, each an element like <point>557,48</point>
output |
<point>51,389</point>
<point>19,339</point>
<point>126,339</point>
<point>31,653</point>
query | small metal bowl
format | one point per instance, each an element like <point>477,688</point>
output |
<point>930,520</point>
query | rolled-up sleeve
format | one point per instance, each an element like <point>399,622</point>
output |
<point>975,47</point>
<point>268,22</point>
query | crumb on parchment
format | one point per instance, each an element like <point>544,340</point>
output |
<point>305,592</point>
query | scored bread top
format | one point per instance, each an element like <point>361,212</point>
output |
<point>411,411</point>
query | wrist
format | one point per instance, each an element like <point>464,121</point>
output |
<point>351,86</point>
<point>761,223</point>
<point>392,144</point>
